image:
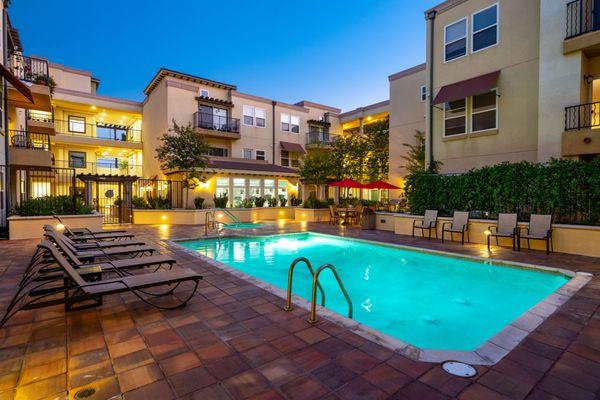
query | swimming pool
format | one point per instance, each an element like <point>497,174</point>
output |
<point>242,225</point>
<point>428,300</point>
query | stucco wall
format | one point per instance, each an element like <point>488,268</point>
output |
<point>33,227</point>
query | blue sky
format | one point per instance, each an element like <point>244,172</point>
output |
<point>334,52</point>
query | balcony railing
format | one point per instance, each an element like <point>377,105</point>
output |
<point>40,116</point>
<point>98,131</point>
<point>216,122</point>
<point>581,18</point>
<point>320,138</point>
<point>582,116</point>
<point>29,69</point>
<point>29,140</point>
<point>101,168</point>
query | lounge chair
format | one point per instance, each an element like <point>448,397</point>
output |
<point>459,224</point>
<point>86,231</point>
<point>334,216</point>
<point>94,244</point>
<point>428,223</point>
<point>540,228</point>
<point>505,227</point>
<point>87,285</point>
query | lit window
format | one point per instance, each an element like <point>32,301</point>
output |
<point>285,158</point>
<point>484,114</point>
<point>261,117</point>
<point>248,115</point>
<point>455,40</point>
<point>76,124</point>
<point>485,28</point>
<point>285,122</point>
<point>455,117</point>
<point>76,159</point>
<point>295,124</point>
<point>423,93</point>
<point>260,155</point>
<point>247,154</point>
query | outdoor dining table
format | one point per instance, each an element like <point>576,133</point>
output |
<point>346,211</point>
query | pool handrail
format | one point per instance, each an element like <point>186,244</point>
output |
<point>313,302</point>
<point>235,219</point>
<point>288,303</point>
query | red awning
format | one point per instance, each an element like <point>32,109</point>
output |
<point>466,88</point>
<point>292,147</point>
<point>347,183</point>
<point>16,83</point>
<point>380,185</point>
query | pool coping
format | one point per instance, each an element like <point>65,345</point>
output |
<point>489,353</point>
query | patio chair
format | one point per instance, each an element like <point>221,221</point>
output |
<point>505,227</point>
<point>334,216</point>
<point>94,244</point>
<point>540,228</point>
<point>357,217</point>
<point>88,286</point>
<point>428,223</point>
<point>459,224</point>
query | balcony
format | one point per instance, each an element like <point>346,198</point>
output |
<point>217,126</point>
<point>101,168</point>
<point>582,130</point>
<point>29,149</point>
<point>41,121</point>
<point>319,139</point>
<point>82,133</point>
<point>583,28</point>
<point>35,71</point>
<point>30,69</point>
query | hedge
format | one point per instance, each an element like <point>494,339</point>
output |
<point>568,189</point>
<point>50,205</point>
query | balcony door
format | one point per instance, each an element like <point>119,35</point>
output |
<point>220,118</point>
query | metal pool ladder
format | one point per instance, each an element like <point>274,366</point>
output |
<point>316,285</point>
<point>210,221</point>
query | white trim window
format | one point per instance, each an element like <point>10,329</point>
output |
<point>484,26</point>
<point>261,155</point>
<point>260,116</point>
<point>423,93</point>
<point>484,113</point>
<point>204,93</point>
<point>455,40</point>
<point>295,124</point>
<point>248,115</point>
<point>455,117</point>
<point>285,122</point>
<point>247,154</point>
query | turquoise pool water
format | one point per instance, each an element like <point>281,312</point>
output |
<point>242,225</point>
<point>430,301</point>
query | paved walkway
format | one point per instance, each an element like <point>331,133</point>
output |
<point>233,341</point>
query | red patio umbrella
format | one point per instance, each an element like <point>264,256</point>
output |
<point>347,183</point>
<point>380,185</point>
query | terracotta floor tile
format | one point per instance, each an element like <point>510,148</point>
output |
<point>214,392</point>
<point>44,357</point>
<point>86,359</point>
<point>360,389</point>
<point>227,367</point>
<point>409,367</point>
<point>179,363</point>
<point>84,376</point>
<point>8,381</point>
<point>246,384</point>
<point>104,389</point>
<point>279,371</point>
<point>479,392</point>
<point>387,378</point>
<point>83,346</point>
<point>157,390</point>
<point>358,361</point>
<point>191,381</point>
<point>312,335</point>
<point>138,377</point>
<point>304,388</point>
<point>288,344</point>
<point>121,349</point>
<point>43,388</point>
<point>214,352</point>
<point>418,391</point>
<point>260,355</point>
<point>333,375</point>
<point>308,358</point>
<point>44,371</point>
<point>132,360</point>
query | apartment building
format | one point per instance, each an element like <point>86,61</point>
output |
<point>256,143</point>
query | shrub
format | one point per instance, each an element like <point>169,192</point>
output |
<point>49,205</point>
<point>199,203</point>
<point>294,201</point>
<point>221,201</point>
<point>313,202</point>
<point>282,200</point>
<point>272,202</point>
<point>151,203</point>
<point>139,202</point>
<point>568,189</point>
<point>259,201</point>
<point>248,203</point>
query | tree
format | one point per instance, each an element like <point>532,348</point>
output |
<point>183,149</point>
<point>377,136</point>
<point>316,168</point>
<point>416,156</point>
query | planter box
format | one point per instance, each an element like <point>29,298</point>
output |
<point>311,214</point>
<point>197,217</point>
<point>573,239</point>
<point>33,227</point>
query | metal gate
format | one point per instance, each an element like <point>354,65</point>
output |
<point>111,196</point>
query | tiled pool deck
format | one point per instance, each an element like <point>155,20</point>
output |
<point>233,341</point>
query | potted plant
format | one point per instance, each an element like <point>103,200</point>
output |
<point>221,201</point>
<point>259,201</point>
<point>272,202</point>
<point>282,200</point>
<point>199,203</point>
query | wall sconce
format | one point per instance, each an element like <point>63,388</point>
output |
<point>589,79</point>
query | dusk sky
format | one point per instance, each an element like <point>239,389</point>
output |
<point>336,52</point>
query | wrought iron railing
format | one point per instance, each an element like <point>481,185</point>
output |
<point>581,18</point>
<point>98,131</point>
<point>320,138</point>
<point>216,122</point>
<point>29,69</point>
<point>40,116</point>
<point>101,168</point>
<point>582,116</point>
<point>29,140</point>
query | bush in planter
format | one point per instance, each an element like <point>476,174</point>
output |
<point>259,201</point>
<point>272,202</point>
<point>282,200</point>
<point>294,201</point>
<point>199,203</point>
<point>248,203</point>
<point>313,202</point>
<point>221,201</point>
<point>139,203</point>
<point>49,205</point>
<point>159,203</point>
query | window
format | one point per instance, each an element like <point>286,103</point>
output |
<point>285,158</point>
<point>253,188</point>
<point>485,28</point>
<point>248,115</point>
<point>285,122</point>
<point>77,159</point>
<point>218,152</point>
<point>268,189</point>
<point>282,191</point>
<point>455,117</point>
<point>239,191</point>
<point>485,111</point>
<point>295,124</point>
<point>204,93</point>
<point>247,154</point>
<point>260,155</point>
<point>222,187</point>
<point>261,117</point>
<point>455,40</point>
<point>76,124</point>
<point>423,93</point>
